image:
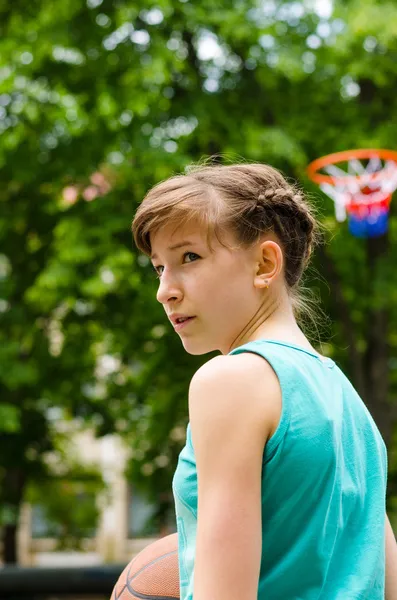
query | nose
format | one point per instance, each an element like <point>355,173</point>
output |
<point>168,289</point>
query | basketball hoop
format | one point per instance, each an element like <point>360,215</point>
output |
<point>361,183</point>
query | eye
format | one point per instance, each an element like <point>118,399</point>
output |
<point>187,258</point>
<point>196,256</point>
<point>157,270</point>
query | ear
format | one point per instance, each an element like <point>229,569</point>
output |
<point>268,263</point>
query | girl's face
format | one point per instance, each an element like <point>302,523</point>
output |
<point>215,289</point>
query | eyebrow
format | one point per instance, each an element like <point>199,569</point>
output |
<point>176,246</point>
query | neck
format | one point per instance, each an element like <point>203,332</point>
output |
<point>273,320</point>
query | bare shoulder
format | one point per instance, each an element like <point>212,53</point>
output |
<point>244,385</point>
<point>245,369</point>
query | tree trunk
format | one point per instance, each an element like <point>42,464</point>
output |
<point>10,544</point>
<point>369,369</point>
<point>377,353</point>
<point>342,306</point>
<point>14,486</point>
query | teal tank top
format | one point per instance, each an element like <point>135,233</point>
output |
<point>323,488</point>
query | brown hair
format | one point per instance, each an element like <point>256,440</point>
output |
<point>246,199</point>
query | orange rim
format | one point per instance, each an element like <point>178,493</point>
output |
<point>345,155</point>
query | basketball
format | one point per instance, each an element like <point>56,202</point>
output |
<point>153,574</point>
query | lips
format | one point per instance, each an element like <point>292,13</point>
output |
<point>179,321</point>
<point>182,322</point>
<point>177,318</point>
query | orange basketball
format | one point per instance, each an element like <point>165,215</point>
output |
<point>153,574</point>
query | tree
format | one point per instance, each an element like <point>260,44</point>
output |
<point>100,101</point>
<point>77,487</point>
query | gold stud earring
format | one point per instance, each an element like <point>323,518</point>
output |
<point>266,283</point>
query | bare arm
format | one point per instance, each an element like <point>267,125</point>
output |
<point>228,417</point>
<point>391,563</point>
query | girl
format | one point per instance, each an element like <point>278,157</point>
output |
<point>280,488</point>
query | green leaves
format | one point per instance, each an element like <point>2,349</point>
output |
<point>98,102</point>
<point>9,418</point>
<point>53,497</point>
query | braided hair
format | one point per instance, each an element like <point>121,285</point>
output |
<point>246,199</point>
<point>284,210</point>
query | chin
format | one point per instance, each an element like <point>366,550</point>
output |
<point>197,348</point>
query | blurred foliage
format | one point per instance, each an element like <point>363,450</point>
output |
<point>99,101</point>
<point>68,505</point>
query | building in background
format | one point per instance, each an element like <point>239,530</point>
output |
<point>125,523</point>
